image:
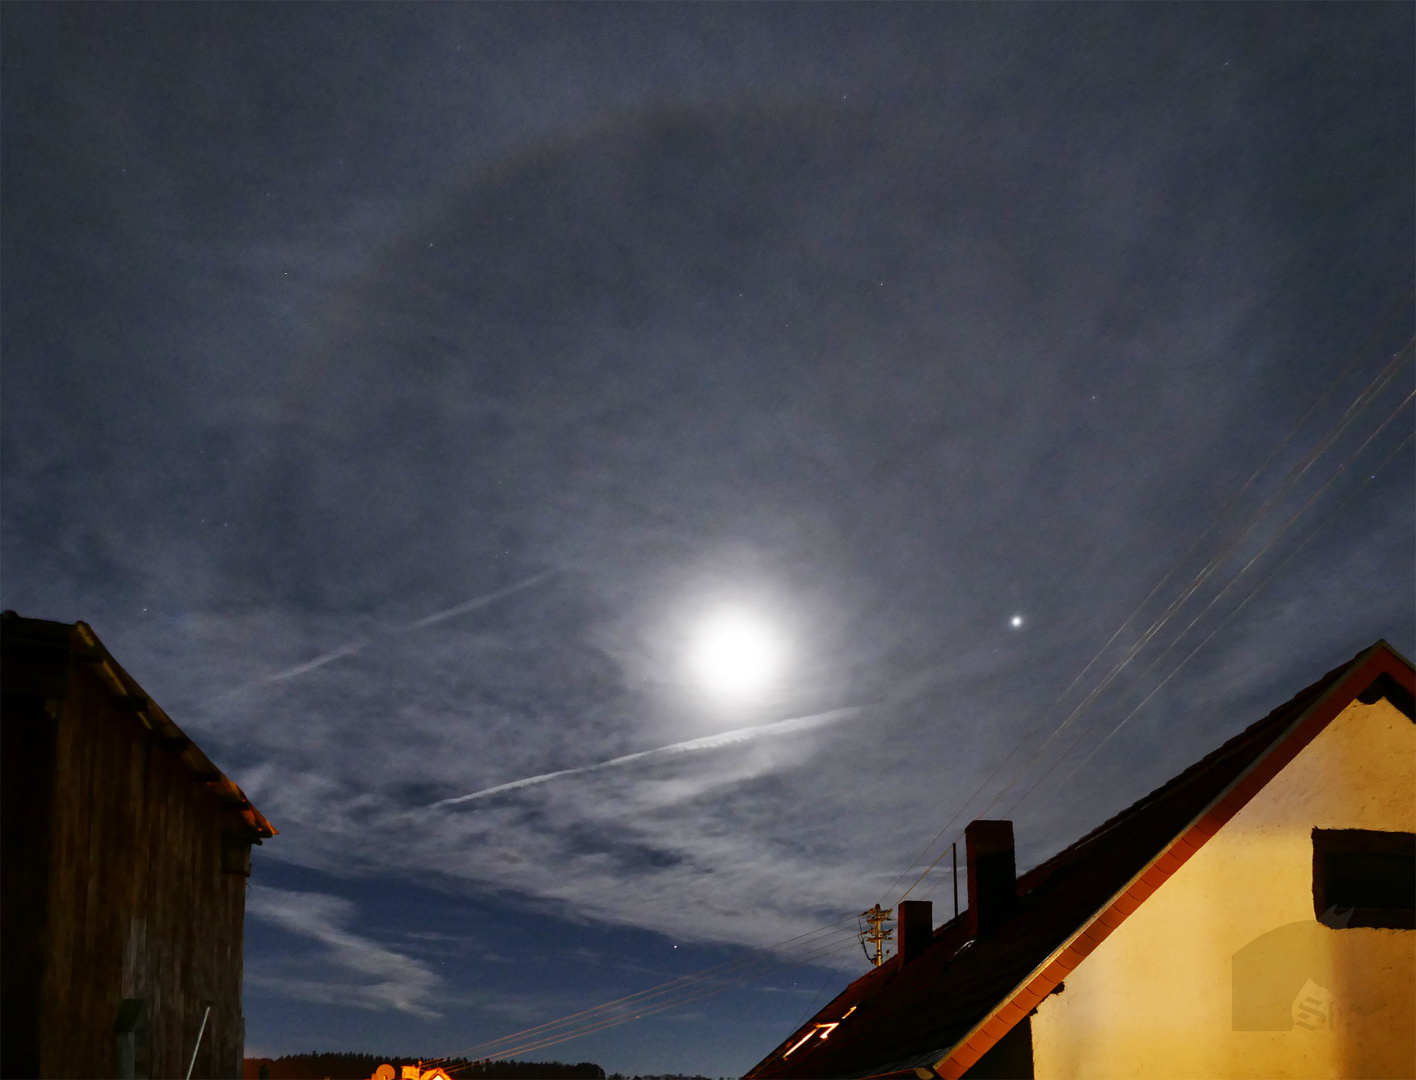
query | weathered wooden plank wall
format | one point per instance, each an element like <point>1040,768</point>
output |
<point>138,903</point>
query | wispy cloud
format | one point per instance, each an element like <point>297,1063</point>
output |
<point>677,827</point>
<point>358,971</point>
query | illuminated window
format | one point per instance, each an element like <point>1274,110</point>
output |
<point>1364,878</point>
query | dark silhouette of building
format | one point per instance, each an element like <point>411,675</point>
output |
<point>125,858</point>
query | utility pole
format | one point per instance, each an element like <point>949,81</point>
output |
<point>877,935</point>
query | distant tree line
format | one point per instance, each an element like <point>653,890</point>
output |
<point>361,1067</point>
<point>532,1070</point>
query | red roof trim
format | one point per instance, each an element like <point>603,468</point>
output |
<point>1378,660</point>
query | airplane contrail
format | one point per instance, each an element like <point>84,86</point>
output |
<point>427,620</point>
<point>707,742</point>
<point>310,665</point>
<point>478,602</point>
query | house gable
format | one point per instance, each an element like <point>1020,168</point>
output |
<point>1306,716</point>
<point>1309,714</point>
<point>1226,970</point>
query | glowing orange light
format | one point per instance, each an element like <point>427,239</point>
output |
<point>798,1043</point>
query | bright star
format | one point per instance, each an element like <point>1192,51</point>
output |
<point>1016,621</point>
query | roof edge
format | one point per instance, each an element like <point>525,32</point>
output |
<point>154,716</point>
<point>84,647</point>
<point>1377,660</point>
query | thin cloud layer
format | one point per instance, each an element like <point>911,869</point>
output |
<point>344,968</point>
<point>397,390</point>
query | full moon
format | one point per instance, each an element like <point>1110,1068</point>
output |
<point>735,654</point>
<point>1016,622</point>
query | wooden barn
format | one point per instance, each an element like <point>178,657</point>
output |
<point>125,859</point>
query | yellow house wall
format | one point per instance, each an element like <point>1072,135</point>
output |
<point>1156,998</point>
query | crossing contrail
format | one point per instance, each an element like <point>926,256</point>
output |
<point>707,742</point>
<point>418,624</point>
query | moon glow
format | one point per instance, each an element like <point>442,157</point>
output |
<point>735,655</point>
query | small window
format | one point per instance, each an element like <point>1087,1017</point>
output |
<point>1364,878</point>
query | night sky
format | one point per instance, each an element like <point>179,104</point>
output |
<point>402,393</point>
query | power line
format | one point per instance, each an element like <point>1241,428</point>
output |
<point>1328,517</point>
<point>1214,600</point>
<point>793,950</point>
<point>805,943</point>
<point>684,999</point>
<point>637,1006</point>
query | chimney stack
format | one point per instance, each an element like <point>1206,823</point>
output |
<point>993,874</point>
<point>915,925</point>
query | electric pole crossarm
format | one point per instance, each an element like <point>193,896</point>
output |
<point>878,934</point>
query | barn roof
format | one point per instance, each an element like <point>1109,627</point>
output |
<point>947,1007</point>
<point>37,654</point>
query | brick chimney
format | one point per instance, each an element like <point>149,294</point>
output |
<point>993,874</point>
<point>915,925</point>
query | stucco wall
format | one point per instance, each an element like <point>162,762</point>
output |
<point>1158,997</point>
